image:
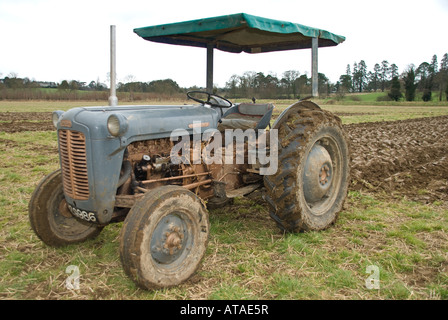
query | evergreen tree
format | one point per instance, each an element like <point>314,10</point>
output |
<point>424,74</point>
<point>433,66</point>
<point>346,80</point>
<point>446,92</point>
<point>375,80</point>
<point>345,83</point>
<point>395,89</point>
<point>444,62</point>
<point>360,76</point>
<point>393,70</point>
<point>409,84</point>
<point>442,76</point>
<point>385,71</point>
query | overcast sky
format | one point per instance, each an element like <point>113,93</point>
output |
<point>53,40</point>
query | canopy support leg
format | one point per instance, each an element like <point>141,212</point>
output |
<point>210,68</point>
<point>113,100</point>
<point>314,68</point>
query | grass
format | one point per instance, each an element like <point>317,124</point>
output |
<point>369,110</point>
<point>52,105</point>
<point>247,257</point>
<point>381,98</point>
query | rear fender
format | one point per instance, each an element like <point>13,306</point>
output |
<point>293,108</point>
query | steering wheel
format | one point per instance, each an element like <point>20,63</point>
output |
<point>213,100</point>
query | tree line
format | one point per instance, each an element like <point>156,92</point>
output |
<point>384,77</point>
<point>426,79</point>
<point>292,84</point>
<point>14,87</point>
<point>168,86</point>
<point>415,82</point>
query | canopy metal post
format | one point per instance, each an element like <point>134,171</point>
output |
<point>113,100</point>
<point>314,67</point>
<point>210,67</point>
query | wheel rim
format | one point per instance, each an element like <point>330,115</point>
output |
<point>171,239</point>
<point>63,224</point>
<point>322,175</point>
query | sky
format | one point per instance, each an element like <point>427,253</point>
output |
<point>54,40</point>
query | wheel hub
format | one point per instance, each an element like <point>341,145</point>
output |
<point>324,175</point>
<point>173,241</point>
<point>168,240</point>
<point>318,174</point>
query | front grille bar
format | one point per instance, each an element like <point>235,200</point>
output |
<point>72,146</point>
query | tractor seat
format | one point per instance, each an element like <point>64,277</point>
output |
<point>246,116</point>
<point>236,123</point>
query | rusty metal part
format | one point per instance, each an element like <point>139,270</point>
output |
<point>186,186</point>
<point>63,209</point>
<point>127,201</point>
<point>197,184</point>
<point>176,177</point>
<point>142,189</point>
<point>324,174</point>
<point>196,177</point>
<point>158,147</point>
<point>72,146</point>
<point>173,240</point>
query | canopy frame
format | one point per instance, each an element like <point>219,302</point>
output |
<point>243,33</point>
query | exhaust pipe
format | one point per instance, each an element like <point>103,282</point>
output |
<point>113,100</point>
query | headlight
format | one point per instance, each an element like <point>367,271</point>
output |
<point>56,115</point>
<point>117,125</point>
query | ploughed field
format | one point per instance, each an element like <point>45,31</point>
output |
<point>398,158</point>
<point>405,157</point>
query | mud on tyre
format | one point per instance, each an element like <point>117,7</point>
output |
<point>50,218</point>
<point>164,237</point>
<point>310,186</point>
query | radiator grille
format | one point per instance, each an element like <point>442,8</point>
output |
<point>72,146</point>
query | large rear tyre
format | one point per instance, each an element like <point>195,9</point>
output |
<point>164,237</point>
<point>310,186</point>
<point>50,218</point>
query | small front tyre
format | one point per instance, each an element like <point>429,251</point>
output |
<point>50,218</point>
<point>164,237</point>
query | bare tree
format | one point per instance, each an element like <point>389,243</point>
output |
<point>289,79</point>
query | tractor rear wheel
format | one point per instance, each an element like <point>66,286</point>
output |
<point>310,186</point>
<point>164,237</point>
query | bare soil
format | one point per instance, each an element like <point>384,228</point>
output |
<point>395,158</point>
<point>402,158</point>
<point>25,121</point>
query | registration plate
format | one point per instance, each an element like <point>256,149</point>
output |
<point>82,214</point>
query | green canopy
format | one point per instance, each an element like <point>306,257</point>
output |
<point>239,32</point>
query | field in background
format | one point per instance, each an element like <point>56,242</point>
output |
<point>395,219</point>
<point>366,110</point>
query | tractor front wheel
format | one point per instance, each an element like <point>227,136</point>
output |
<point>50,218</point>
<point>164,237</point>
